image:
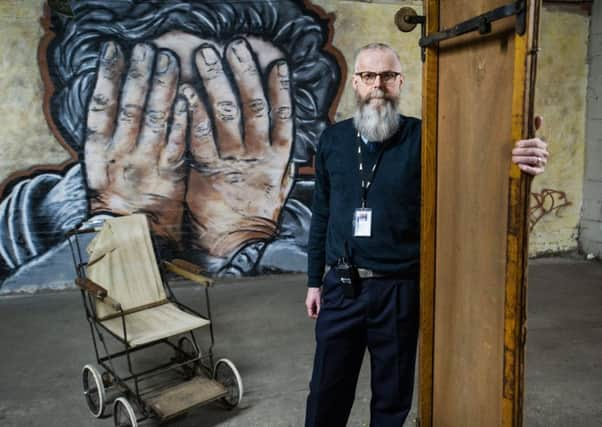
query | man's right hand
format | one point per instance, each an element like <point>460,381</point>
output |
<point>134,162</point>
<point>312,302</point>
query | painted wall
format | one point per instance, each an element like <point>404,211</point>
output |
<point>237,200</point>
<point>590,237</point>
<point>201,115</point>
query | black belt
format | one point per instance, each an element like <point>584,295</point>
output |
<point>366,273</point>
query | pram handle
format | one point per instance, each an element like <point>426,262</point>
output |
<point>186,265</point>
<point>97,290</point>
<point>187,270</point>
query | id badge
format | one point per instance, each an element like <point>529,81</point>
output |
<point>362,222</point>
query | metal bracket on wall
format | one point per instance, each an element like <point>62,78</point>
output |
<point>406,20</point>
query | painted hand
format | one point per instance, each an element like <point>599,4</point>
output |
<point>134,154</point>
<point>241,146</point>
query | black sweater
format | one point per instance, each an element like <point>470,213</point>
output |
<point>394,198</point>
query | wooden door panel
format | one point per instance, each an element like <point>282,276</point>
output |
<point>473,281</point>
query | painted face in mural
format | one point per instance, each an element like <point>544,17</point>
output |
<point>240,137</point>
<point>377,96</point>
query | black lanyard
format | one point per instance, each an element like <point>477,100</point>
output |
<point>367,180</point>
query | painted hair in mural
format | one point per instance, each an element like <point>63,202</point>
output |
<point>195,113</point>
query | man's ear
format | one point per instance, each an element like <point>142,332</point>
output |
<point>354,82</point>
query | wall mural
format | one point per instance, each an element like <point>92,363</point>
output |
<point>200,114</point>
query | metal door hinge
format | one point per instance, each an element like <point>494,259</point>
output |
<point>481,23</point>
<point>406,20</point>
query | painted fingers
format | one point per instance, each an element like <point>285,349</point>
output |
<point>255,109</point>
<point>240,119</point>
<point>136,137</point>
<point>282,105</point>
<point>240,141</point>
<point>102,110</point>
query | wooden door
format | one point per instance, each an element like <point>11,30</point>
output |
<point>477,102</point>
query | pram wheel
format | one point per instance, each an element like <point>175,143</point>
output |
<point>94,390</point>
<point>123,413</point>
<point>226,373</point>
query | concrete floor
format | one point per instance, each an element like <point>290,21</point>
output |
<point>261,325</point>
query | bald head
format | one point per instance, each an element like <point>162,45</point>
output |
<point>371,48</point>
<point>372,60</point>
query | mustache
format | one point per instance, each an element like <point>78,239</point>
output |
<point>377,94</point>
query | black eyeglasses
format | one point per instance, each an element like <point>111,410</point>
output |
<point>368,77</point>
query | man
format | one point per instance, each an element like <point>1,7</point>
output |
<point>369,211</point>
<point>194,112</point>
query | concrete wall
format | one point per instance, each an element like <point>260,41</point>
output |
<point>43,189</point>
<point>560,97</point>
<point>590,238</point>
<point>24,134</point>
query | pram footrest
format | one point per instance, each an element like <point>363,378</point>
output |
<point>185,396</point>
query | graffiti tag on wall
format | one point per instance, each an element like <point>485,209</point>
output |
<point>545,202</point>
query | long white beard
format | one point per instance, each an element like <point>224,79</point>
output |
<point>376,123</point>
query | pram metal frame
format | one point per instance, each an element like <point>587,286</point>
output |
<point>132,383</point>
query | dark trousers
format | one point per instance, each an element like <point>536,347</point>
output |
<point>384,318</point>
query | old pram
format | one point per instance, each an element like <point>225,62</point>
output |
<point>127,297</point>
